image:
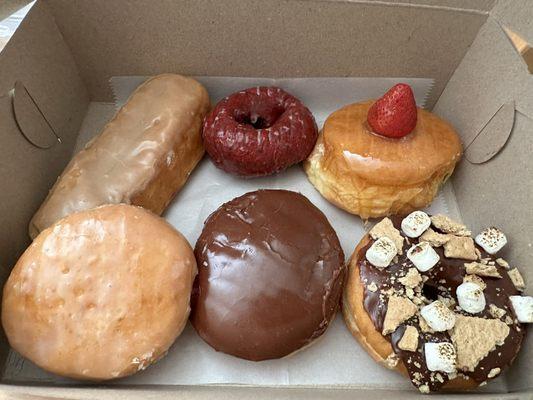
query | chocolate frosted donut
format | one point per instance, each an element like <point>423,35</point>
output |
<point>271,272</point>
<point>426,299</point>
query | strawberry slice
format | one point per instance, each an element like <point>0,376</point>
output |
<point>394,114</point>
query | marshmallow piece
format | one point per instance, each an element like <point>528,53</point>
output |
<point>470,297</point>
<point>381,253</point>
<point>385,227</point>
<point>438,316</point>
<point>523,308</point>
<point>440,357</point>
<point>423,256</point>
<point>491,240</point>
<point>415,224</point>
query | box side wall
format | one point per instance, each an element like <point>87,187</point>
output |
<point>233,393</point>
<point>38,57</point>
<point>267,38</point>
<point>38,43</point>
<point>500,191</point>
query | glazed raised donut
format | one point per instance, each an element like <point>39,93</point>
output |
<point>441,287</point>
<point>372,175</point>
<point>101,294</point>
<point>259,131</point>
<point>143,156</point>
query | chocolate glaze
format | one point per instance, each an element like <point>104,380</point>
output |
<point>271,271</point>
<point>448,273</point>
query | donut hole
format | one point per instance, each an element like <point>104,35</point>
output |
<point>259,119</point>
<point>430,291</point>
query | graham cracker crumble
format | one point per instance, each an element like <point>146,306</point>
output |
<point>424,327</point>
<point>493,372</point>
<point>474,338</point>
<point>409,340</point>
<point>372,287</point>
<point>480,269</point>
<point>387,229</point>
<point>496,312</point>
<point>447,301</point>
<point>434,239</point>
<point>399,309</point>
<point>392,361</point>
<point>502,263</point>
<point>448,225</point>
<point>516,278</point>
<point>424,389</point>
<point>412,279</point>
<point>460,247</point>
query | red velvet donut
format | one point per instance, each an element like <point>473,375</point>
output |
<point>259,131</point>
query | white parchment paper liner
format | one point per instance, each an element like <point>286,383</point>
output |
<point>336,359</point>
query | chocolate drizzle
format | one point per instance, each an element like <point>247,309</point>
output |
<point>442,280</point>
<point>271,272</point>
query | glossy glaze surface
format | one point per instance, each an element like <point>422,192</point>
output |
<point>143,138</point>
<point>101,294</point>
<point>271,271</point>
<point>351,148</point>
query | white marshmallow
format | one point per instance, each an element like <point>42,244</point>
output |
<point>416,224</point>
<point>470,297</point>
<point>381,253</point>
<point>438,316</point>
<point>523,308</point>
<point>491,240</point>
<point>423,256</point>
<point>440,357</point>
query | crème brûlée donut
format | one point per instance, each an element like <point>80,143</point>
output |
<point>101,294</point>
<point>426,299</point>
<point>372,175</point>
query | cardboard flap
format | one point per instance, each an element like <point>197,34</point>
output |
<point>478,98</point>
<point>493,136</point>
<point>494,187</point>
<point>37,56</point>
<point>523,48</point>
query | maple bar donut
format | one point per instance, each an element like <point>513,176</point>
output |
<point>101,294</point>
<point>271,272</point>
<point>426,299</point>
<point>143,156</point>
<point>259,131</point>
<point>384,157</point>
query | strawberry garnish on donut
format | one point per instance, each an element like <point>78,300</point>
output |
<point>394,114</point>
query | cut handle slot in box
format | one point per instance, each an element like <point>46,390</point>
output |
<point>30,119</point>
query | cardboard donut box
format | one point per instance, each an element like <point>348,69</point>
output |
<point>60,60</point>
